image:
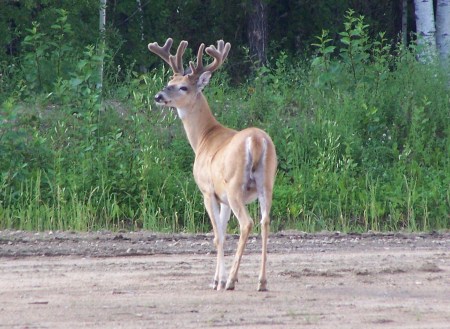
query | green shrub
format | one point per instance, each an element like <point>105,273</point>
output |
<point>361,131</point>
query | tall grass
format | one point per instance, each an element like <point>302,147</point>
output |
<point>361,131</point>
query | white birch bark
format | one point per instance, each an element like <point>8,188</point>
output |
<point>443,30</point>
<point>141,18</point>
<point>426,30</point>
<point>102,23</point>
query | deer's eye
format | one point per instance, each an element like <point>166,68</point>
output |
<point>183,88</point>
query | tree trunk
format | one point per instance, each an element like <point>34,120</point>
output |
<point>405,23</point>
<point>426,30</point>
<point>257,32</point>
<point>141,18</point>
<point>443,30</point>
<point>102,23</point>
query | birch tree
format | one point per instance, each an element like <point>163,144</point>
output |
<point>426,30</point>
<point>443,30</point>
<point>141,18</point>
<point>102,22</point>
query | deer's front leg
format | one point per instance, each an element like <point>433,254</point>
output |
<point>219,219</point>
<point>221,273</point>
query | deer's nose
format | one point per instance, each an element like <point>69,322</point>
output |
<point>159,98</point>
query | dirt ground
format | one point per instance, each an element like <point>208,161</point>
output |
<point>147,280</point>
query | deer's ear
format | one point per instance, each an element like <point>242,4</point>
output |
<point>203,80</point>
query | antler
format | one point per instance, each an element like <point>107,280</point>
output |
<point>219,54</point>
<point>175,62</point>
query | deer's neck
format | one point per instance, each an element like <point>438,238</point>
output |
<point>198,121</point>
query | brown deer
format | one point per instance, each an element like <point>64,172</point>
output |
<point>232,168</point>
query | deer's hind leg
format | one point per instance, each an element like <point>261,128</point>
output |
<point>265,201</point>
<point>264,177</point>
<point>246,225</point>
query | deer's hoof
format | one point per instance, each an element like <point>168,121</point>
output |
<point>230,285</point>
<point>262,285</point>
<point>219,285</point>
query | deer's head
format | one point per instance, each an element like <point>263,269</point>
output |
<point>185,85</point>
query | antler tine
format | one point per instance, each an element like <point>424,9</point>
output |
<point>219,54</point>
<point>175,62</point>
<point>197,70</point>
<point>164,51</point>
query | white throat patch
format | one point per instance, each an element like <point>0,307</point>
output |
<point>181,113</point>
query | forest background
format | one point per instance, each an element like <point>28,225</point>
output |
<point>357,106</point>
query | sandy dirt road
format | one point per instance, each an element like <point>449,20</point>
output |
<point>147,280</point>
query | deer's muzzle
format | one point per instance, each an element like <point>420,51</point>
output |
<point>160,99</point>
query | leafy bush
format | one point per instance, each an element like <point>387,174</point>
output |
<point>361,130</point>
<point>373,139</point>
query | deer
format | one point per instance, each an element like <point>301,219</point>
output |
<point>231,168</point>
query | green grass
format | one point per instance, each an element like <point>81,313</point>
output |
<point>362,139</point>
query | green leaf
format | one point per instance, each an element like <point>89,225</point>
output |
<point>75,82</point>
<point>317,61</point>
<point>329,49</point>
<point>345,40</point>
